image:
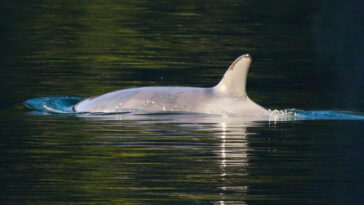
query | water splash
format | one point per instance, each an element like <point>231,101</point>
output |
<point>295,114</point>
<point>53,104</point>
<point>64,105</point>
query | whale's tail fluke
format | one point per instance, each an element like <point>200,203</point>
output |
<point>234,80</point>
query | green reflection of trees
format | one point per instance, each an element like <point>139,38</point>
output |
<point>86,48</point>
<point>72,160</point>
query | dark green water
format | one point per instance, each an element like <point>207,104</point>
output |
<point>307,55</point>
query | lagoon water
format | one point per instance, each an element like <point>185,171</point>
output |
<point>307,64</point>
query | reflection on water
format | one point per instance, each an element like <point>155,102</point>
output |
<point>178,159</point>
<point>233,151</point>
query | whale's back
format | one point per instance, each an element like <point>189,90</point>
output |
<point>148,98</point>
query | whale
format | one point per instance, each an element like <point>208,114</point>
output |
<point>228,97</point>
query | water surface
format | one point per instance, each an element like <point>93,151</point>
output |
<point>307,61</point>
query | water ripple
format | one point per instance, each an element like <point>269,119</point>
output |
<point>64,105</point>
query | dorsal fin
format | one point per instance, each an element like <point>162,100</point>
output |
<point>234,80</point>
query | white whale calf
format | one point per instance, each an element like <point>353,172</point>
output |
<point>228,97</point>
